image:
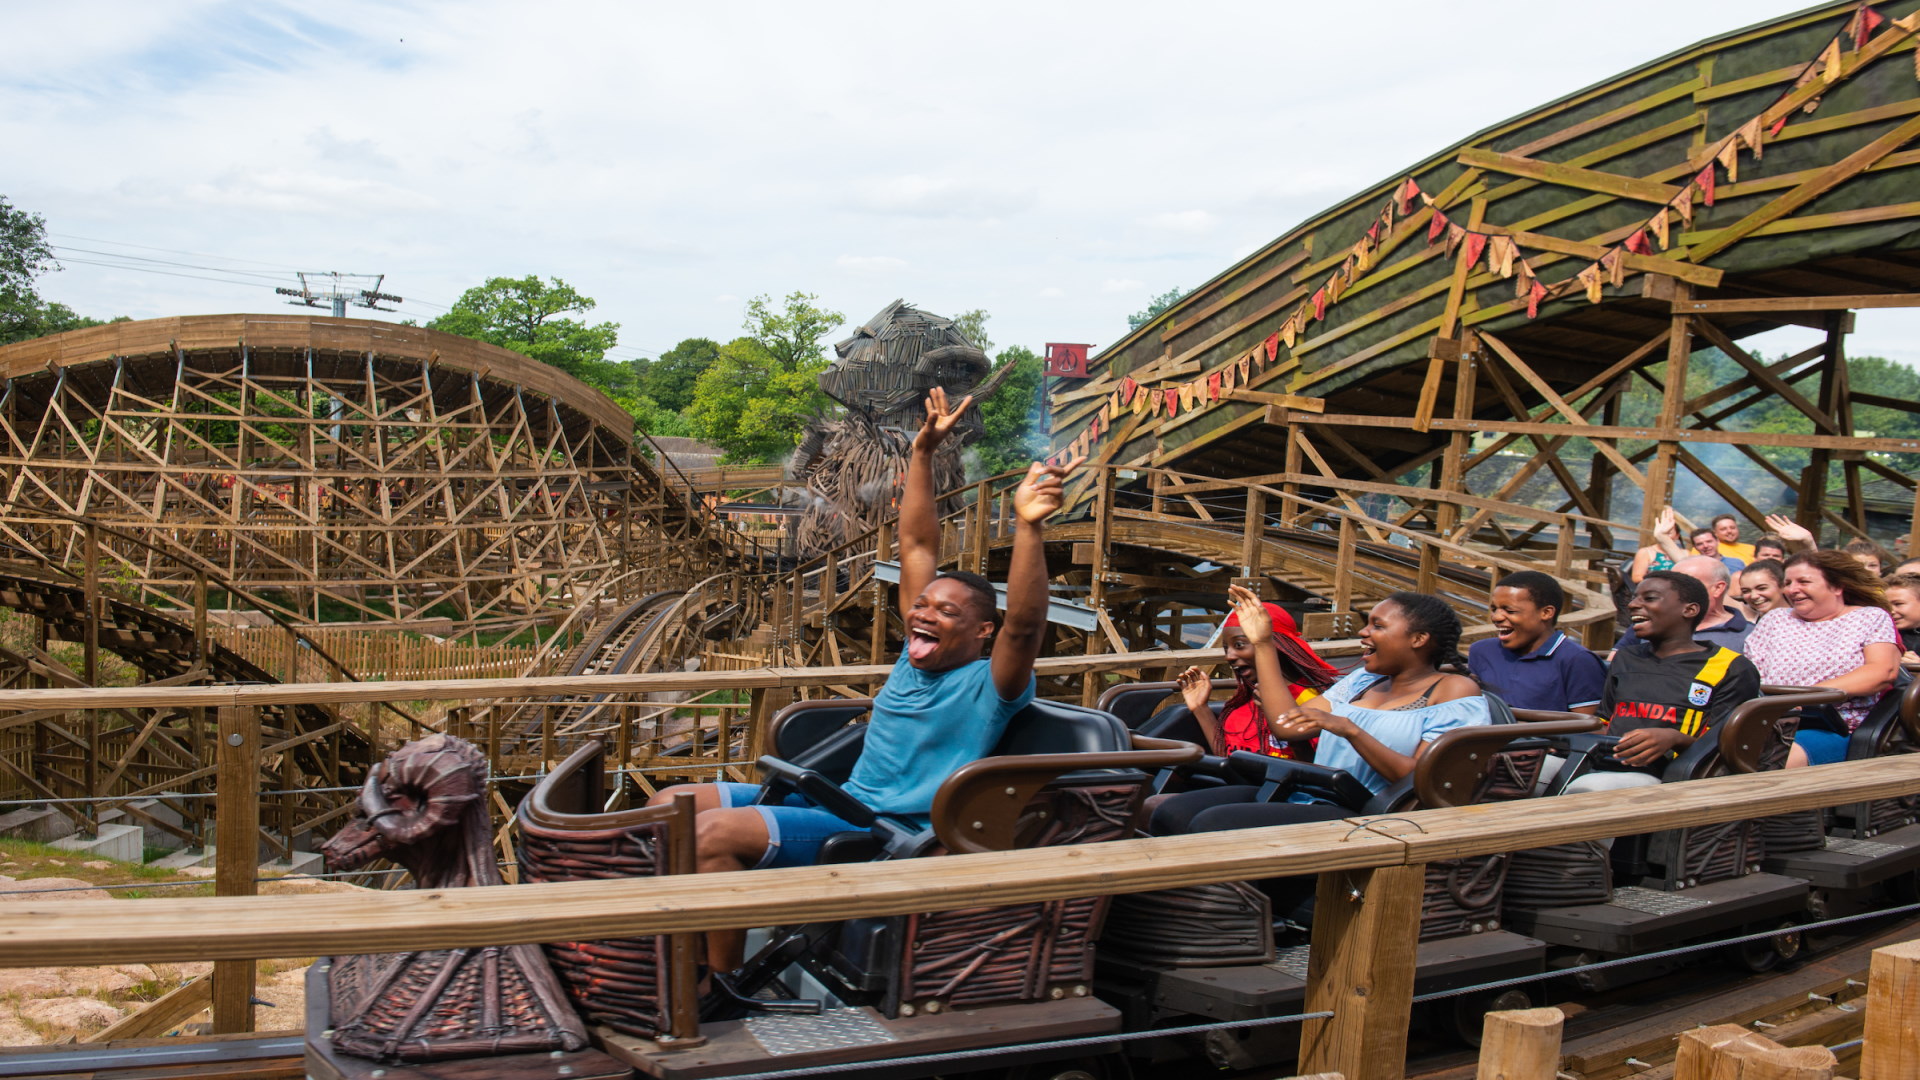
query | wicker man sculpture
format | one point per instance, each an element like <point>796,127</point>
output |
<point>425,808</point>
<point>853,464</point>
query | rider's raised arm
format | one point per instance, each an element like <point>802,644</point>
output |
<point>919,514</point>
<point>1018,642</point>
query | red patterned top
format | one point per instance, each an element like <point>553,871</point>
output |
<point>1791,651</point>
<point>1245,729</point>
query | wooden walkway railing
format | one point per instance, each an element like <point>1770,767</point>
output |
<point>1370,868</point>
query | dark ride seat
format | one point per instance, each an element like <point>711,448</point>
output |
<point>640,986</point>
<point>1060,774</point>
<point>1659,889</point>
<point>1211,951</point>
<point>1156,709</point>
<point>1859,845</point>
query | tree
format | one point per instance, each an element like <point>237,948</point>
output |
<point>750,406</point>
<point>974,325</point>
<point>792,337</point>
<point>1154,307</point>
<point>25,255</point>
<point>652,418</point>
<point>669,378</point>
<point>1012,415</point>
<point>526,315</point>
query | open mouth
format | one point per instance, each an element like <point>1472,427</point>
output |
<point>1638,622</point>
<point>1502,631</point>
<point>921,643</point>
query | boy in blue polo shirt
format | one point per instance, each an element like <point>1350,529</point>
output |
<point>1528,661</point>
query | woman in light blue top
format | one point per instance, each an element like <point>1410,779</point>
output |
<point>1374,723</point>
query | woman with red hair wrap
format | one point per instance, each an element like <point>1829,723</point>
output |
<point>1276,670</point>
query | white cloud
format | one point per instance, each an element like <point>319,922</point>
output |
<point>1185,221</point>
<point>871,263</point>
<point>1122,285</point>
<point>669,160</point>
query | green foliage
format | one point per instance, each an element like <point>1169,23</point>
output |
<point>25,254</point>
<point>747,404</point>
<point>527,316</point>
<point>973,324</point>
<point>669,379</point>
<point>1011,416</point>
<point>758,393</point>
<point>1154,307</point>
<point>653,418</point>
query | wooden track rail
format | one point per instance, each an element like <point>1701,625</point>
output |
<point>1361,859</point>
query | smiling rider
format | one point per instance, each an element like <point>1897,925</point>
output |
<point>945,703</point>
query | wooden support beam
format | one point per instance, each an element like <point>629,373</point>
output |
<point>237,860</point>
<point>1521,1044</point>
<point>1800,303</point>
<point>1892,1046</point>
<point>1366,930</point>
<point>1605,183</point>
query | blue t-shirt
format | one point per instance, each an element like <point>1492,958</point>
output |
<point>924,726</point>
<point>1400,730</point>
<point>1558,675</point>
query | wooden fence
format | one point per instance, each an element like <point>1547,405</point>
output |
<point>1370,868</point>
<point>372,654</point>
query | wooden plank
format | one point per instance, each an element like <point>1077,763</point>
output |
<point>1892,1047</point>
<point>1827,179</point>
<point>1800,303</point>
<point>1604,431</point>
<point>237,828</point>
<point>1366,929</point>
<point>1605,183</point>
<point>170,1010</point>
<point>1285,401</point>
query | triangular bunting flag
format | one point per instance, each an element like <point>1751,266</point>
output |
<point>1705,183</point>
<point>1683,205</point>
<point>1230,376</point>
<point>1373,230</point>
<point>1336,285</point>
<point>1591,280</point>
<point>1637,243</point>
<point>1213,386</point>
<point>1534,295</point>
<point>1320,304</point>
<point>1476,244</point>
<point>1408,191</point>
<point>1830,63</point>
<point>1658,222</point>
<point>1272,346</point>
<point>1140,401</point>
<point>1246,367</point>
<point>1188,393</point>
<point>1729,158</point>
<point>1522,279</point>
<point>1113,405</point>
<point>1750,134</point>
<point>1436,227</point>
<point>1774,130</point>
<point>1501,260</point>
<point>1170,400</point>
<point>1615,265</point>
<point>1288,331</point>
<point>1455,234</point>
<point>1864,24</point>
<point>1127,388</point>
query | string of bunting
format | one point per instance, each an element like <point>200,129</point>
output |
<point>1499,252</point>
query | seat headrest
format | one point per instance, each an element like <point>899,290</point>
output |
<point>1052,727</point>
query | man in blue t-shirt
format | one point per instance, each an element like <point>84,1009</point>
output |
<point>944,704</point>
<point>1529,662</point>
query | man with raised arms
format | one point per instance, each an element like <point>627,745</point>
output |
<point>944,704</point>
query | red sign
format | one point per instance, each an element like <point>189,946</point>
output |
<point>1067,361</point>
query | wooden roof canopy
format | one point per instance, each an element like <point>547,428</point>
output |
<point>1825,209</point>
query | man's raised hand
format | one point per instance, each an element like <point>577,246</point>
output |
<point>1043,491</point>
<point>940,419</point>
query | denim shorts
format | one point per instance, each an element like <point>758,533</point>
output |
<point>1822,747</point>
<point>795,827</point>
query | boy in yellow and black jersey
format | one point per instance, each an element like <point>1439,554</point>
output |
<point>1665,689</point>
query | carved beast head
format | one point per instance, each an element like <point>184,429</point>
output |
<point>416,797</point>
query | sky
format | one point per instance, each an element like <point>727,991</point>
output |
<point>1056,164</point>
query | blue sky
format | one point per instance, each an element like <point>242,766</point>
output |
<point>1054,163</point>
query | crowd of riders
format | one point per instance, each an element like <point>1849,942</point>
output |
<point>1706,625</point>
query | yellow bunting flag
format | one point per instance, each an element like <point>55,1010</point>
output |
<point>1729,158</point>
<point>1289,331</point>
<point>1502,250</point>
<point>1615,266</point>
<point>1590,278</point>
<point>1830,63</point>
<point>1750,134</point>
<point>1246,363</point>
<point>1684,206</point>
<point>1658,223</point>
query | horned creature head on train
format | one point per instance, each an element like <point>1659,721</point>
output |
<point>424,807</point>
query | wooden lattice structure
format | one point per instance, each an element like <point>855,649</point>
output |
<point>341,469</point>
<point>1504,294</point>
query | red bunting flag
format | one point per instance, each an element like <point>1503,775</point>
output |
<point>1637,243</point>
<point>1213,387</point>
<point>1705,180</point>
<point>1373,231</point>
<point>1127,387</point>
<point>1273,351</point>
<point>1476,243</point>
<point>1320,304</point>
<point>1436,227</point>
<point>1534,296</point>
<point>1406,196</point>
<point>1863,25</point>
<point>1777,126</point>
<point>1173,402</point>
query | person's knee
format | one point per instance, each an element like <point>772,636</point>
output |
<point>730,835</point>
<point>705,796</point>
<point>1796,757</point>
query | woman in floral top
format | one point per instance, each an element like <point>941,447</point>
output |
<point>1836,632</point>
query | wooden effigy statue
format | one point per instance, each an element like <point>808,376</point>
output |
<point>853,463</point>
<point>425,808</point>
